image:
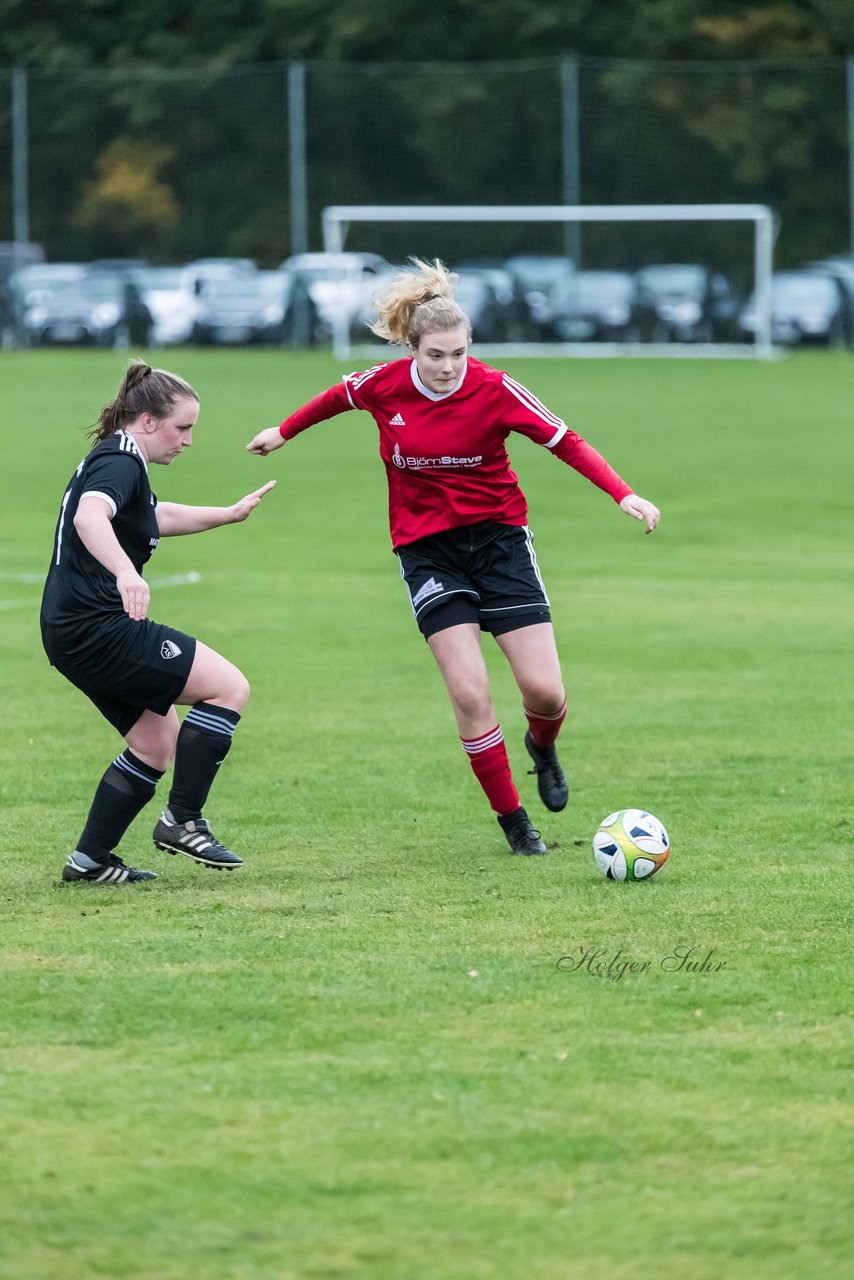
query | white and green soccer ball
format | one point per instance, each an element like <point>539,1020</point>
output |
<point>631,844</point>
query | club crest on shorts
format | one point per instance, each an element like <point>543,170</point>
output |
<point>430,588</point>
<point>169,649</point>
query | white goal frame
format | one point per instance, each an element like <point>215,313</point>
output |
<point>337,220</point>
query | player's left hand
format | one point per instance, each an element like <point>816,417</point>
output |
<point>639,509</point>
<point>247,505</point>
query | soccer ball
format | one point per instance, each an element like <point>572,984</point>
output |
<point>631,845</point>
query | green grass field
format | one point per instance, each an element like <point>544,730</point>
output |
<point>357,1058</point>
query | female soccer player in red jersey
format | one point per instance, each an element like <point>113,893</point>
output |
<point>458,522</point>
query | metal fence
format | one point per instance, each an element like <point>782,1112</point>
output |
<point>174,165</point>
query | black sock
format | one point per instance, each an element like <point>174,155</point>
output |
<point>203,743</point>
<point>122,793</point>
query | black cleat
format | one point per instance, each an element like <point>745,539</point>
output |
<point>112,872</point>
<point>195,839</point>
<point>551,779</point>
<point>521,834</point>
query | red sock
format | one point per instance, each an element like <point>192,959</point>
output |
<point>488,758</point>
<point>544,729</point>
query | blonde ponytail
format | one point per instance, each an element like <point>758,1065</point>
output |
<point>418,302</point>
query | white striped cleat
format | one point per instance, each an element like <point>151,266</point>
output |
<point>195,840</point>
<point>79,866</point>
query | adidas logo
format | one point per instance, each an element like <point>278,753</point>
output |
<point>169,649</point>
<point>397,421</point>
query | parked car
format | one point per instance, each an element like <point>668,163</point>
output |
<point>339,288</point>
<point>121,266</point>
<point>508,292</point>
<point>98,309</point>
<point>595,306</point>
<point>841,270</point>
<point>173,305</point>
<point>476,294</point>
<point>202,272</point>
<point>684,302</point>
<point>29,284</point>
<point>250,307</point>
<point>807,307</point>
<point>540,278</point>
<point>7,316</point>
<point>14,256</point>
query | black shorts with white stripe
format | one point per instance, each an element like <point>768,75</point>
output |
<point>124,667</point>
<point>485,573</point>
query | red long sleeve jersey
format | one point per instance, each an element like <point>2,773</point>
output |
<point>445,454</point>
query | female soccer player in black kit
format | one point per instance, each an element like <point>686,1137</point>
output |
<point>96,631</point>
<point>458,523</point>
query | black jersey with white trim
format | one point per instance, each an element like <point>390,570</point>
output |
<point>78,585</point>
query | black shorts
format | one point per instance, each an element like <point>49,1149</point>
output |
<point>485,573</point>
<point>124,667</point>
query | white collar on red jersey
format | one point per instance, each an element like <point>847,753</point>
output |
<point>436,395</point>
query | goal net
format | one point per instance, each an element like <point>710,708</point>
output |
<point>337,220</point>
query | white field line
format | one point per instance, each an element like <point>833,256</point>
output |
<point>37,579</point>
<point>177,580</point>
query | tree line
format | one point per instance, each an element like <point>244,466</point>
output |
<point>160,130</point>
<point>108,33</point>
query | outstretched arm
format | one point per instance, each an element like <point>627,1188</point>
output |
<point>174,518</point>
<point>328,404</point>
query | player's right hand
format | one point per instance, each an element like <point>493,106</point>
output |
<point>265,442</point>
<point>134,593</point>
<point>640,509</point>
